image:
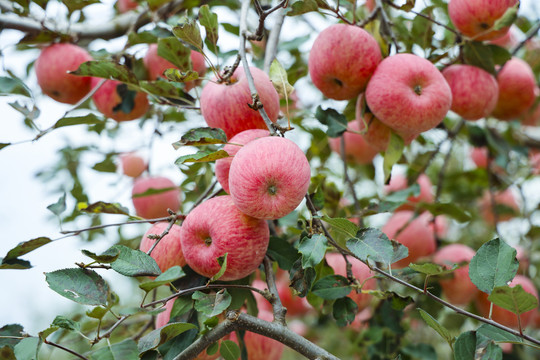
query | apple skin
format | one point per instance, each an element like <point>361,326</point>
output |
<point>408,94</point>
<point>418,236</point>
<point>342,60</point>
<point>216,227</point>
<point>168,252</point>
<point>225,106</point>
<point>357,150</point>
<point>126,5</point>
<point>473,17</point>
<point>399,182</point>
<point>360,271</point>
<point>132,165</point>
<point>106,99</point>
<point>517,90</point>
<point>503,316</point>
<point>459,289</point>
<point>474,91</point>
<point>52,66</point>
<point>155,205</point>
<point>260,347</point>
<point>269,177</point>
<point>223,165</point>
<point>156,65</point>
<point>506,198</point>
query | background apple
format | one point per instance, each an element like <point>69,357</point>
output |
<point>399,182</point>
<point>132,165</point>
<point>126,5</point>
<point>296,306</point>
<point>168,252</point>
<point>155,205</point>
<point>357,150</point>
<point>506,206</point>
<point>114,100</point>
<point>260,347</point>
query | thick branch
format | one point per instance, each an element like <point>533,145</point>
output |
<point>279,310</point>
<point>273,40</point>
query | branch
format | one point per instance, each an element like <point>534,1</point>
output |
<point>273,40</point>
<point>529,36</point>
<point>65,349</point>
<point>279,310</point>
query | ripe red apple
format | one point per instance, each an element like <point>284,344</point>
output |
<point>155,205</point>
<point>360,271</point>
<point>475,18</point>
<point>168,252</point>
<point>216,227</point>
<point>417,236</point>
<point>235,144</point>
<point>370,5</point>
<point>52,66</point>
<point>459,289</point>
<point>342,59</point>
<point>226,106</point>
<point>156,65</point>
<point>505,198</point>
<point>357,150</point>
<point>508,40</point>
<point>399,182</point>
<point>479,156</point>
<point>113,99</point>
<point>503,316</point>
<point>517,87</point>
<point>269,177</point>
<point>474,91</point>
<point>132,165</point>
<point>408,94</point>
<point>126,5</point>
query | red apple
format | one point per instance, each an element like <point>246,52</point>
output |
<point>156,65</point>
<point>216,227</point>
<point>126,5</point>
<point>132,165</point>
<point>370,5</point>
<point>479,156</point>
<point>399,182</point>
<point>505,198</point>
<point>517,90</point>
<point>269,177</point>
<point>342,59</point>
<point>168,252</point>
<point>155,205</point>
<point>235,144</point>
<point>508,40</point>
<point>459,289</point>
<point>114,100</point>
<point>360,271</point>
<point>417,235</point>
<point>357,150</point>
<point>474,91</point>
<point>503,316</point>
<point>408,94</point>
<point>226,106</point>
<point>52,67</point>
<point>296,306</point>
<point>475,18</point>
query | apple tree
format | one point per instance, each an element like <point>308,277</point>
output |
<point>300,178</point>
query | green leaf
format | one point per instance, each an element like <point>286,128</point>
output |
<point>210,22</point>
<point>372,245</point>
<point>29,113</point>
<point>435,325</point>
<point>106,258</point>
<point>398,198</point>
<point>107,70</point>
<point>125,350</point>
<point>83,286</point>
<point>26,247</point>
<point>302,279</point>
<point>174,51</point>
<point>500,54</point>
<point>408,6</point>
<point>181,306</point>
<point>160,336</point>
<point>514,299</point>
<point>172,274</point>
<point>478,54</point>
<point>48,331</point>
<point>229,350</point>
<point>3,145</point>
<point>486,349</point>
<point>497,334</point>
<point>332,287</point>
<point>312,250</point>
<point>283,252</point>
<point>336,122</point>
<point>493,265</point>
<point>202,136</point>
<point>132,262</point>
<point>344,311</point>
<point>202,156</point>
<point>89,119</point>
<point>190,33</point>
<point>11,85</point>
<point>10,330</point>
<point>212,304</point>
<point>65,323</point>
<point>449,209</point>
<point>507,19</point>
<point>392,154</point>
<point>344,226</point>
<point>156,4</point>
<point>278,76</point>
<point>27,348</point>
<point>15,264</point>
<point>465,346</point>
<point>97,313</point>
<point>59,206</point>
<point>432,269</point>
<point>222,261</point>
<point>107,165</point>
<point>180,76</point>
<point>102,207</point>
<point>303,6</point>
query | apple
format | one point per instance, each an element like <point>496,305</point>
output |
<point>114,100</point>
<point>155,205</point>
<point>459,289</point>
<point>475,18</point>
<point>235,144</point>
<point>532,116</point>
<point>357,150</point>
<point>226,105</point>
<point>408,94</point>
<point>474,91</point>
<point>132,165</point>
<point>508,40</point>
<point>360,271</point>
<point>342,60</point>
<point>517,90</point>
<point>269,177</point>
<point>52,67</point>
<point>504,198</point>
<point>156,65</point>
<point>296,306</point>
<point>479,156</point>
<point>503,316</point>
<point>168,252</point>
<point>126,5</point>
<point>370,5</point>
<point>417,234</point>
<point>399,182</point>
<point>523,258</point>
<point>216,227</point>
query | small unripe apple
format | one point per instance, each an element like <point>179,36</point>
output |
<point>357,150</point>
<point>132,165</point>
<point>235,143</point>
<point>114,100</point>
<point>168,252</point>
<point>155,205</point>
<point>216,227</point>
<point>399,182</point>
<point>52,67</point>
<point>505,198</point>
<point>342,59</point>
<point>269,177</point>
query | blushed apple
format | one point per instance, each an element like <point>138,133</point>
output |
<point>399,182</point>
<point>342,60</point>
<point>508,40</point>
<point>235,143</point>
<point>226,106</point>
<point>126,5</point>
<point>357,150</point>
<point>132,165</point>
<point>114,100</point>
<point>505,204</point>
<point>216,227</point>
<point>52,67</point>
<point>269,177</point>
<point>168,252</point>
<point>408,94</point>
<point>163,195</point>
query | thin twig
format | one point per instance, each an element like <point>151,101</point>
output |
<point>528,37</point>
<point>77,232</point>
<point>65,349</point>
